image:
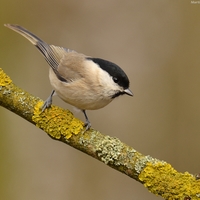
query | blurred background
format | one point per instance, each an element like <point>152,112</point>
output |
<point>155,42</point>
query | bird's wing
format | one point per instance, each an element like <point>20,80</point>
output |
<point>72,66</point>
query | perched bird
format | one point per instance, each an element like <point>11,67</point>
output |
<point>82,81</point>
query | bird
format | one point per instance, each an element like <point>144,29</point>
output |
<point>82,81</point>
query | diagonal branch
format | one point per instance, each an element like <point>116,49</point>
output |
<point>158,176</point>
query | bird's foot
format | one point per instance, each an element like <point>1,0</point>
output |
<point>48,102</point>
<point>87,122</point>
<point>87,125</point>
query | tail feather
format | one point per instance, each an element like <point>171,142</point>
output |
<point>28,35</point>
<point>52,54</point>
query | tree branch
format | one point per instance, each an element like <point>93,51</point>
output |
<point>158,176</point>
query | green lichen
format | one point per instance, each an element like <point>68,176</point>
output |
<point>112,151</point>
<point>161,179</point>
<point>56,121</point>
<point>4,78</point>
<point>109,150</point>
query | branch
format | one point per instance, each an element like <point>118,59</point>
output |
<point>158,176</point>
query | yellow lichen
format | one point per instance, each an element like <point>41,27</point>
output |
<point>161,179</point>
<point>4,78</point>
<point>56,121</point>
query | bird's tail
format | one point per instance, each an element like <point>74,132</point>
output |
<point>27,34</point>
<point>52,54</point>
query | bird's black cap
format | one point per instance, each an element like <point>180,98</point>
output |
<point>119,76</point>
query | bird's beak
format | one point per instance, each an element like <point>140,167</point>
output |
<point>128,92</point>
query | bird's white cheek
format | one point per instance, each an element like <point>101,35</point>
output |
<point>109,87</point>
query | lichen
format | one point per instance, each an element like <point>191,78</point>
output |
<point>56,121</point>
<point>161,179</point>
<point>109,150</point>
<point>112,151</point>
<point>4,78</point>
<point>142,161</point>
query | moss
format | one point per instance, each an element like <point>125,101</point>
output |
<point>161,179</point>
<point>56,121</point>
<point>4,78</point>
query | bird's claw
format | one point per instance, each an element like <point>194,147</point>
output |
<point>48,102</point>
<point>87,125</point>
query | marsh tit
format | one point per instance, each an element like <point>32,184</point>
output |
<point>82,81</point>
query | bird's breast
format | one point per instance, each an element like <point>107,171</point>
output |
<point>79,93</point>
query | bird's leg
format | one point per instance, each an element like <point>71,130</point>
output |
<point>87,122</point>
<point>48,102</point>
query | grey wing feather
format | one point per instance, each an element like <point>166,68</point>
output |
<point>53,55</point>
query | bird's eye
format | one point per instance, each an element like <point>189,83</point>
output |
<point>115,79</point>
